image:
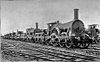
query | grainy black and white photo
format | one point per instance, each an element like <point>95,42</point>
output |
<point>50,30</point>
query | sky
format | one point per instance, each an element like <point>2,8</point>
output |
<point>23,14</point>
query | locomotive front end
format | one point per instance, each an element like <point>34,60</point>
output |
<point>78,36</point>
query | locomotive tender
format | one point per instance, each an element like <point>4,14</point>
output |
<point>70,34</point>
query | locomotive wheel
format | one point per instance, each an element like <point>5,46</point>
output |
<point>37,40</point>
<point>77,44</point>
<point>42,41</point>
<point>96,41</point>
<point>69,44</point>
<point>61,43</point>
<point>47,41</point>
<point>26,39</point>
<point>87,45</point>
<point>54,44</point>
<point>84,45</point>
<point>33,40</point>
<point>52,41</point>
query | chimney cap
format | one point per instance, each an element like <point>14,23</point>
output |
<point>36,22</point>
<point>76,9</point>
<point>57,21</point>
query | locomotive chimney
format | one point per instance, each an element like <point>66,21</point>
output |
<point>76,14</point>
<point>36,25</point>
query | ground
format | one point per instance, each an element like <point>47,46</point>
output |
<point>24,51</point>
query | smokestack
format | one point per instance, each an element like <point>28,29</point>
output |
<point>76,14</point>
<point>36,25</point>
<point>17,31</point>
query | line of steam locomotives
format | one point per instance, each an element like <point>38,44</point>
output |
<point>70,34</point>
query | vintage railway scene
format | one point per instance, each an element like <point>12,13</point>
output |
<point>68,41</point>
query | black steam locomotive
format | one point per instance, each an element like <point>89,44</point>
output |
<point>70,34</point>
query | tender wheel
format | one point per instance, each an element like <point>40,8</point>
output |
<point>69,44</point>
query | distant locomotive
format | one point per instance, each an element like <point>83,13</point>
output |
<point>70,34</point>
<point>93,33</point>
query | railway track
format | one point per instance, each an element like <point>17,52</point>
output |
<point>50,54</point>
<point>66,56</point>
<point>14,53</point>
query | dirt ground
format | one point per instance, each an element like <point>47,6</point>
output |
<point>92,52</point>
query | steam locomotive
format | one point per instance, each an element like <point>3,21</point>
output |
<point>70,34</point>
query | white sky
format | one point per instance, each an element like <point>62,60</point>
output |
<point>22,14</point>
